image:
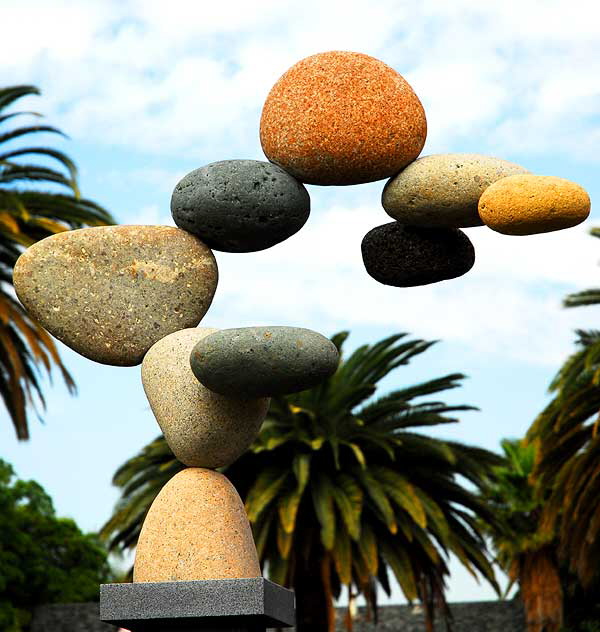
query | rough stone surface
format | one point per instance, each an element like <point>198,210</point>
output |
<point>406,256</point>
<point>240,205</point>
<point>203,428</point>
<point>472,616</point>
<point>526,205</point>
<point>442,190</point>
<point>111,292</point>
<point>241,601</point>
<point>263,361</point>
<point>196,528</point>
<point>342,118</point>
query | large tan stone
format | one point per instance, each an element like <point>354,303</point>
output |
<point>442,190</point>
<point>111,292</point>
<point>527,204</point>
<point>342,118</point>
<point>196,528</point>
<point>203,428</point>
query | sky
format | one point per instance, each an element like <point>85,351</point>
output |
<point>148,91</point>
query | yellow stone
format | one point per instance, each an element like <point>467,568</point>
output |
<point>530,204</point>
<point>196,528</point>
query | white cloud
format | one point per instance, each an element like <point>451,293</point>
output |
<point>509,304</point>
<point>175,76</point>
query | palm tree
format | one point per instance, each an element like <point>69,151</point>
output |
<point>339,489</point>
<point>28,214</point>
<point>567,430</point>
<point>525,552</point>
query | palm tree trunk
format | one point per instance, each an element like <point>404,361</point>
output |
<point>541,591</point>
<point>314,600</point>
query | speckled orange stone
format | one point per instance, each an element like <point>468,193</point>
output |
<point>340,118</point>
<point>530,204</point>
<point>196,528</point>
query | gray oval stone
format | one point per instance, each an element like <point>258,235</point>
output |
<point>443,190</point>
<point>263,361</point>
<point>111,292</point>
<point>240,205</point>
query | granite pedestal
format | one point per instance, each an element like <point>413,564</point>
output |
<point>223,605</point>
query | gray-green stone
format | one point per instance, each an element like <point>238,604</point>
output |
<point>443,190</point>
<point>263,361</point>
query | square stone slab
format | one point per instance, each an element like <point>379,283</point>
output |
<point>251,604</point>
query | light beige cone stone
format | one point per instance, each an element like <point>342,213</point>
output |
<point>203,428</point>
<point>110,292</point>
<point>528,204</point>
<point>196,528</point>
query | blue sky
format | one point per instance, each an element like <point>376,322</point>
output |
<point>148,91</point>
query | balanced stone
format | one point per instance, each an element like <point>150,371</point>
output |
<point>240,205</point>
<point>263,361</point>
<point>340,118</point>
<point>111,292</point>
<point>196,528</point>
<point>442,190</point>
<point>202,428</point>
<point>406,256</point>
<point>527,204</point>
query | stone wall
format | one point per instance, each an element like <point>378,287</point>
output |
<point>476,616</point>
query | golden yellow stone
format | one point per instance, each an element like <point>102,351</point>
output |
<point>529,204</point>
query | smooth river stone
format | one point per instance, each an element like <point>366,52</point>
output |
<point>342,118</point>
<point>407,256</point>
<point>442,190</point>
<point>196,528</point>
<point>263,361</point>
<point>111,292</point>
<point>526,205</point>
<point>240,205</point>
<point>202,428</point>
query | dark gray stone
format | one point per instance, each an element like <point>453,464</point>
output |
<point>406,256</point>
<point>240,205</point>
<point>263,361</point>
<point>219,604</point>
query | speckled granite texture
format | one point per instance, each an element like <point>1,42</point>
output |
<point>203,428</point>
<point>443,189</point>
<point>406,256</point>
<point>196,528</point>
<point>342,118</point>
<point>260,361</point>
<point>476,616</point>
<point>111,292</point>
<point>527,204</point>
<point>199,604</point>
<point>240,205</point>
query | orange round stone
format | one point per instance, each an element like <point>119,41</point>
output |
<point>340,118</point>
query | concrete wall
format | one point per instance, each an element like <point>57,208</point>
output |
<point>477,616</point>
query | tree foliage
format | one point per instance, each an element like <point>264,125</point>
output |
<point>43,559</point>
<point>340,489</point>
<point>28,214</point>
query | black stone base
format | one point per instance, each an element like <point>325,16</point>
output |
<point>214,605</point>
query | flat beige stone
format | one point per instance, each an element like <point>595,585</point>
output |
<point>111,292</point>
<point>196,528</point>
<point>442,190</point>
<point>203,428</point>
<point>527,204</point>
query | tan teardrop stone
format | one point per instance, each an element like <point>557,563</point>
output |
<point>196,528</point>
<point>203,428</point>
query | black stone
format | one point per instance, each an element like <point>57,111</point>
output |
<point>206,605</point>
<point>240,205</point>
<point>406,256</point>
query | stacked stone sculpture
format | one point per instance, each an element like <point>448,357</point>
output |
<point>125,295</point>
